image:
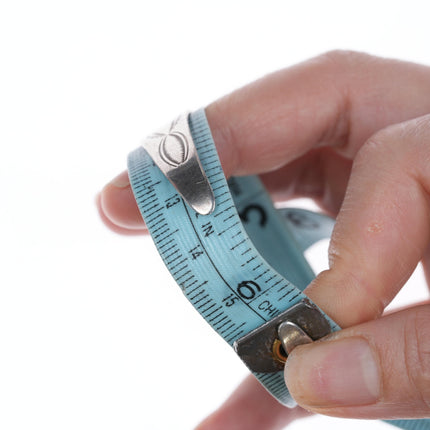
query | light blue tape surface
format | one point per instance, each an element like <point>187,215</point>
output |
<point>213,258</point>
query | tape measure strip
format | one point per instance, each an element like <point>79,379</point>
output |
<point>212,257</point>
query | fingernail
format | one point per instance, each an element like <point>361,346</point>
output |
<point>121,181</point>
<point>341,372</point>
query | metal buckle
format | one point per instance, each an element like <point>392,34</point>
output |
<point>172,149</point>
<point>266,348</point>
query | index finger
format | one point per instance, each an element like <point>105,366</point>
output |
<point>338,99</point>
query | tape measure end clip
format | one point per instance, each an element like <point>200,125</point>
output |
<point>266,348</point>
<point>173,150</point>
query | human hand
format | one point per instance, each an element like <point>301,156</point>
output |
<point>352,132</point>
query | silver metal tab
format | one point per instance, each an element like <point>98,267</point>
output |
<point>291,335</point>
<point>173,151</point>
<point>265,349</point>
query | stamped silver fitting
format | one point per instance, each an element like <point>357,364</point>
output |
<point>172,149</point>
<point>266,348</point>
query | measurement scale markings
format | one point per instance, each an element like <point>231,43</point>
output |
<point>201,298</point>
<point>155,206</point>
<point>189,279</point>
<point>145,188</point>
<point>210,163</point>
<point>180,270</point>
<point>219,187</point>
<point>168,236</point>
<point>228,228</point>
<point>222,319</point>
<point>216,316</point>
<point>263,293</point>
<point>222,194</point>
<point>226,219</point>
<point>142,196</point>
<point>232,337</point>
<point>172,261</point>
<point>269,279</point>
<point>170,241</point>
<point>248,261</point>
<point>283,286</point>
<point>171,247</point>
<point>150,202</point>
<point>227,328</point>
<point>145,193</point>
<point>294,297</point>
<point>145,173</point>
<point>238,327</point>
<point>176,259</point>
<point>215,310</point>
<point>196,295</point>
<point>158,222</point>
<point>204,304</point>
<point>223,211</point>
<point>140,186</point>
<point>214,266</point>
<point>208,309</point>
<point>237,234</point>
<point>202,153</point>
<point>150,221</point>
<point>238,244</point>
<point>162,233</point>
<point>184,274</point>
<point>286,294</point>
<point>224,201</point>
<point>262,274</point>
<point>196,288</point>
<point>150,187</point>
<point>192,283</point>
<point>224,324</point>
<point>217,180</point>
<point>144,184</point>
<point>257,267</point>
<point>159,228</point>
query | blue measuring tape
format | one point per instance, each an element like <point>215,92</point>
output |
<point>242,264</point>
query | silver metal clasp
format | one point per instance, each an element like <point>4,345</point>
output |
<point>266,348</point>
<point>173,151</point>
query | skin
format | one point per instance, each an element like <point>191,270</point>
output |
<point>352,132</point>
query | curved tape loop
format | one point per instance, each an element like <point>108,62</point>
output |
<point>307,227</point>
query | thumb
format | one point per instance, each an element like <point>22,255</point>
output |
<point>379,369</point>
<point>382,230</point>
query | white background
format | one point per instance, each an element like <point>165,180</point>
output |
<point>93,332</point>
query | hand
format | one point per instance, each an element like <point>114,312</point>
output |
<point>352,132</point>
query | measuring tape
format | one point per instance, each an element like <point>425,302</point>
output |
<point>237,259</point>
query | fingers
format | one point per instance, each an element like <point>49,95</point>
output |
<point>320,174</point>
<point>338,99</point>
<point>382,230</point>
<point>379,369</point>
<point>251,407</point>
<point>118,208</point>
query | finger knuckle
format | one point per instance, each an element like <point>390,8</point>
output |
<point>380,144</point>
<point>417,352</point>
<point>416,129</point>
<point>411,130</point>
